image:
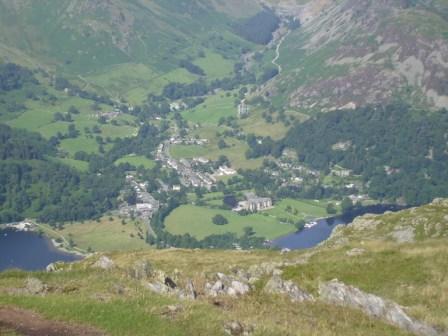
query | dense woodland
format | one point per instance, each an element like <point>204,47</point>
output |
<point>259,28</point>
<point>400,153</point>
<point>33,183</point>
<point>14,77</point>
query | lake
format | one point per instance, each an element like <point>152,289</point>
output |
<point>311,237</point>
<point>29,251</point>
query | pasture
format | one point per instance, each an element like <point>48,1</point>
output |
<point>197,221</point>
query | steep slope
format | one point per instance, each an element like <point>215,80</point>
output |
<point>124,48</point>
<point>81,36</point>
<point>362,52</point>
<point>184,292</point>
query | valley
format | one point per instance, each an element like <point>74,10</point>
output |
<point>209,167</point>
<point>109,116</point>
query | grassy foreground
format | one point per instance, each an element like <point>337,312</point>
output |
<point>413,274</point>
<point>87,296</point>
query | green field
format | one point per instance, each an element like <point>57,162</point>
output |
<point>214,108</point>
<point>300,209</point>
<point>197,221</point>
<point>135,81</point>
<point>137,160</point>
<point>109,234</point>
<point>215,66</point>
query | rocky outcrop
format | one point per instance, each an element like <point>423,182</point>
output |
<point>336,292</point>
<point>227,285</point>
<point>276,285</point>
<point>104,263</point>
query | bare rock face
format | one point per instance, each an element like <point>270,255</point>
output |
<point>104,263</point>
<point>338,293</point>
<point>276,285</point>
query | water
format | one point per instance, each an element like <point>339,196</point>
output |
<point>311,237</point>
<point>308,238</point>
<point>28,251</point>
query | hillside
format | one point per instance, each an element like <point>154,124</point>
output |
<point>353,53</point>
<point>184,292</point>
<point>136,44</point>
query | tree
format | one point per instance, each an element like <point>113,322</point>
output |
<point>72,131</point>
<point>346,205</point>
<point>222,144</point>
<point>230,201</point>
<point>73,110</point>
<point>248,231</point>
<point>300,225</point>
<point>220,220</point>
<point>331,210</point>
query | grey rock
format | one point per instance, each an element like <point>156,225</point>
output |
<point>158,287</point>
<point>236,328</point>
<point>53,267</point>
<point>355,252</point>
<point>276,285</point>
<point>34,286</point>
<point>404,235</point>
<point>214,289</point>
<point>190,291</point>
<point>104,263</point>
<point>285,250</point>
<point>338,293</point>
<point>141,269</point>
<point>239,288</point>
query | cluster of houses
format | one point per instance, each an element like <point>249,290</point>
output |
<point>146,204</point>
<point>190,176</point>
<point>187,141</point>
<point>253,203</point>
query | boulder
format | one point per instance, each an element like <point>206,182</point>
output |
<point>338,293</point>
<point>158,287</point>
<point>276,285</point>
<point>285,250</point>
<point>34,286</point>
<point>53,267</point>
<point>239,288</point>
<point>104,263</point>
<point>236,328</point>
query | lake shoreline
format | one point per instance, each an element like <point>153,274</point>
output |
<point>29,226</point>
<point>30,250</point>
